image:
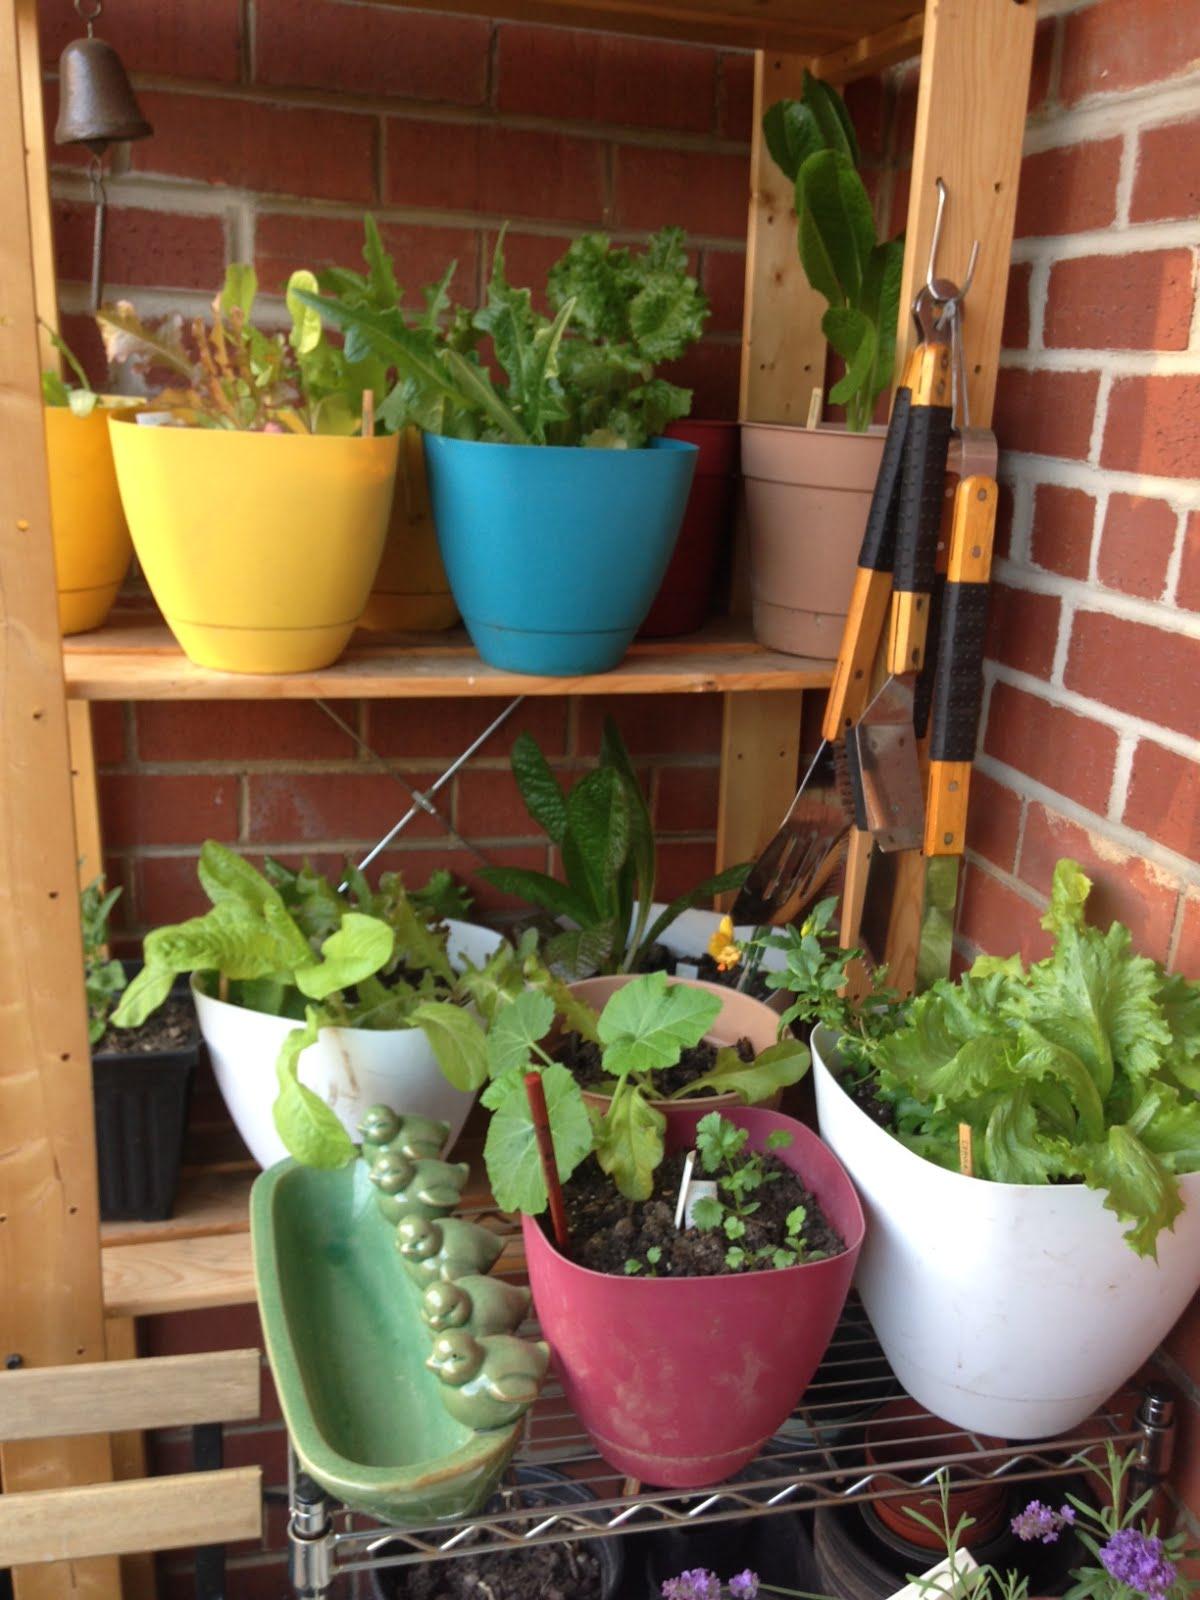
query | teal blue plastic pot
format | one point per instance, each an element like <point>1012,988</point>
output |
<point>555,554</point>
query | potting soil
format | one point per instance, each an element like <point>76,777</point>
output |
<point>542,1572</point>
<point>171,1027</point>
<point>607,1230</point>
<point>582,1056</point>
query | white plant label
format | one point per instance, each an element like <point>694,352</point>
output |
<point>960,1580</point>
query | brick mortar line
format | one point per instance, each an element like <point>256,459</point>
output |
<point>1176,933</point>
<point>1121,112</point>
<point>411,845</point>
<point>1104,391</point>
<point>1082,593</point>
<point>1019,887</point>
<point>1108,362</point>
<point>1082,705</point>
<point>1118,793</point>
<point>163,193</point>
<point>1175,561</point>
<point>1133,239</point>
<point>1066,473</point>
<point>293,97</point>
<point>1174,871</point>
<point>335,766</point>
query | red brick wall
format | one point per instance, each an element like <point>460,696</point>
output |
<point>277,122</point>
<point>1092,720</point>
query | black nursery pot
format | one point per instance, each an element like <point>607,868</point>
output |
<point>550,1488</point>
<point>141,1104</point>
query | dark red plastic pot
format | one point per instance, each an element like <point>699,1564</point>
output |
<point>680,1381</point>
<point>685,596</point>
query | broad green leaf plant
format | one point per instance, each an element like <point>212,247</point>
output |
<point>584,375</point>
<point>1084,1067</point>
<point>812,141</point>
<point>288,944</point>
<point>605,839</point>
<point>643,1029</point>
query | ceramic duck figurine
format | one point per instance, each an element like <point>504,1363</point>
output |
<point>488,1382</point>
<point>419,1188</point>
<point>449,1248</point>
<point>418,1138</point>
<point>479,1305</point>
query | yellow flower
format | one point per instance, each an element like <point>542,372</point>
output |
<point>721,946</point>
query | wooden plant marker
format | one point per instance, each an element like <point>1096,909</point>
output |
<point>966,1150</point>
<point>536,1094</point>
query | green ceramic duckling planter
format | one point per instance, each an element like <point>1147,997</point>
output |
<point>394,1354</point>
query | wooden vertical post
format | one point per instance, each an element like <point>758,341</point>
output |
<point>51,1312</point>
<point>971,106</point>
<point>89,853</point>
<point>760,752</point>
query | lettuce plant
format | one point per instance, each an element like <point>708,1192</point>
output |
<point>1084,1067</point>
<point>812,141</point>
<point>643,1029</point>
<point>288,944</point>
<point>605,839</point>
<point>230,374</point>
<point>583,376</point>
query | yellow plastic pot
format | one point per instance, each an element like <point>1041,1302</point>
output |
<point>260,548</point>
<point>411,590</point>
<point>91,540</point>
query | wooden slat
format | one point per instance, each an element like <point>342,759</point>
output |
<point>208,1203</point>
<point>760,750</point>
<point>783,348</point>
<point>41,234</point>
<point>142,662</point>
<point>174,1513</point>
<point>130,1461</point>
<point>51,1311</point>
<point>156,1392</point>
<point>144,1280</point>
<point>807,27</point>
<point>970,123</point>
<point>872,52</point>
<point>89,850</point>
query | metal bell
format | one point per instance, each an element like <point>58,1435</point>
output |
<point>97,106</point>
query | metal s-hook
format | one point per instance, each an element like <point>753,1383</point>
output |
<point>931,280</point>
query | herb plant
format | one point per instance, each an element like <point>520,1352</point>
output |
<point>103,978</point>
<point>819,976</point>
<point>812,141</point>
<point>232,375</point>
<point>584,376</point>
<point>644,1028</point>
<point>1083,1067</point>
<point>605,839</point>
<point>740,1176</point>
<point>80,397</point>
<point>288,944</point>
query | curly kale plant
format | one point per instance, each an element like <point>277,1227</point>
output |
<point>1083,1067</point>
<point>583,376</point>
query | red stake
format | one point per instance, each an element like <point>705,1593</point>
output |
<point>545,1143</point>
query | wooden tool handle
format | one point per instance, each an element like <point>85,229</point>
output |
<point>919,509</point>
<point>958,692</point>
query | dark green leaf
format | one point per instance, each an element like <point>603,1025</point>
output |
<point>648,1023</point>
<point>511,1154</point>
<point>540,789</point>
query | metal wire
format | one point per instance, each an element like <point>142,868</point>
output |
<point>817,1459</point>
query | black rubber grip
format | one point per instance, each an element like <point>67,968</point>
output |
<point>959,689</point>
<point>919,512</point>
<point>923,693</point>
<point>879,541</point>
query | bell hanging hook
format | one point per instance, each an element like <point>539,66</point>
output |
<point>932,281</point>
<point>87,11</point>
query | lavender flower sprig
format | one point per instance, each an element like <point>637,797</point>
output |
<point>1041,1522</point>
<point>1140,1561</point>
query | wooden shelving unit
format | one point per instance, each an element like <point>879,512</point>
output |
<point>65,1299</point>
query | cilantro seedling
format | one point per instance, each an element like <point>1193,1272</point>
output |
<point>741,1175</point>
<point>633,1267</point>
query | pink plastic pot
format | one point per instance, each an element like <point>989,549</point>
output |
<point>680,1381</point>
<point>685,596</point>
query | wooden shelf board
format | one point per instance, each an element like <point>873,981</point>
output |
<point>139,660</point>
<point>802,27</point>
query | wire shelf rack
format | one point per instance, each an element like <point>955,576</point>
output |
<point>818,1458</point>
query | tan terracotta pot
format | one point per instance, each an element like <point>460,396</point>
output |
<point>740,1017</point>
<point>807,497</point>
<point>411,592</point>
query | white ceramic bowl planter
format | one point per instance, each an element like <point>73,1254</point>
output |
<point>1013,1309</point>
<point>687,938</point>
<point>350,1068</point>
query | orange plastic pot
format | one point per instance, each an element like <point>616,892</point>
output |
<point>904,1431</point>
<point>411,592</point>
<point>92,548</point>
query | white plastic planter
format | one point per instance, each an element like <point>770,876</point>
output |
<point>350,1068</point>
<point>1011,1309</point>
<point>687,939</point>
